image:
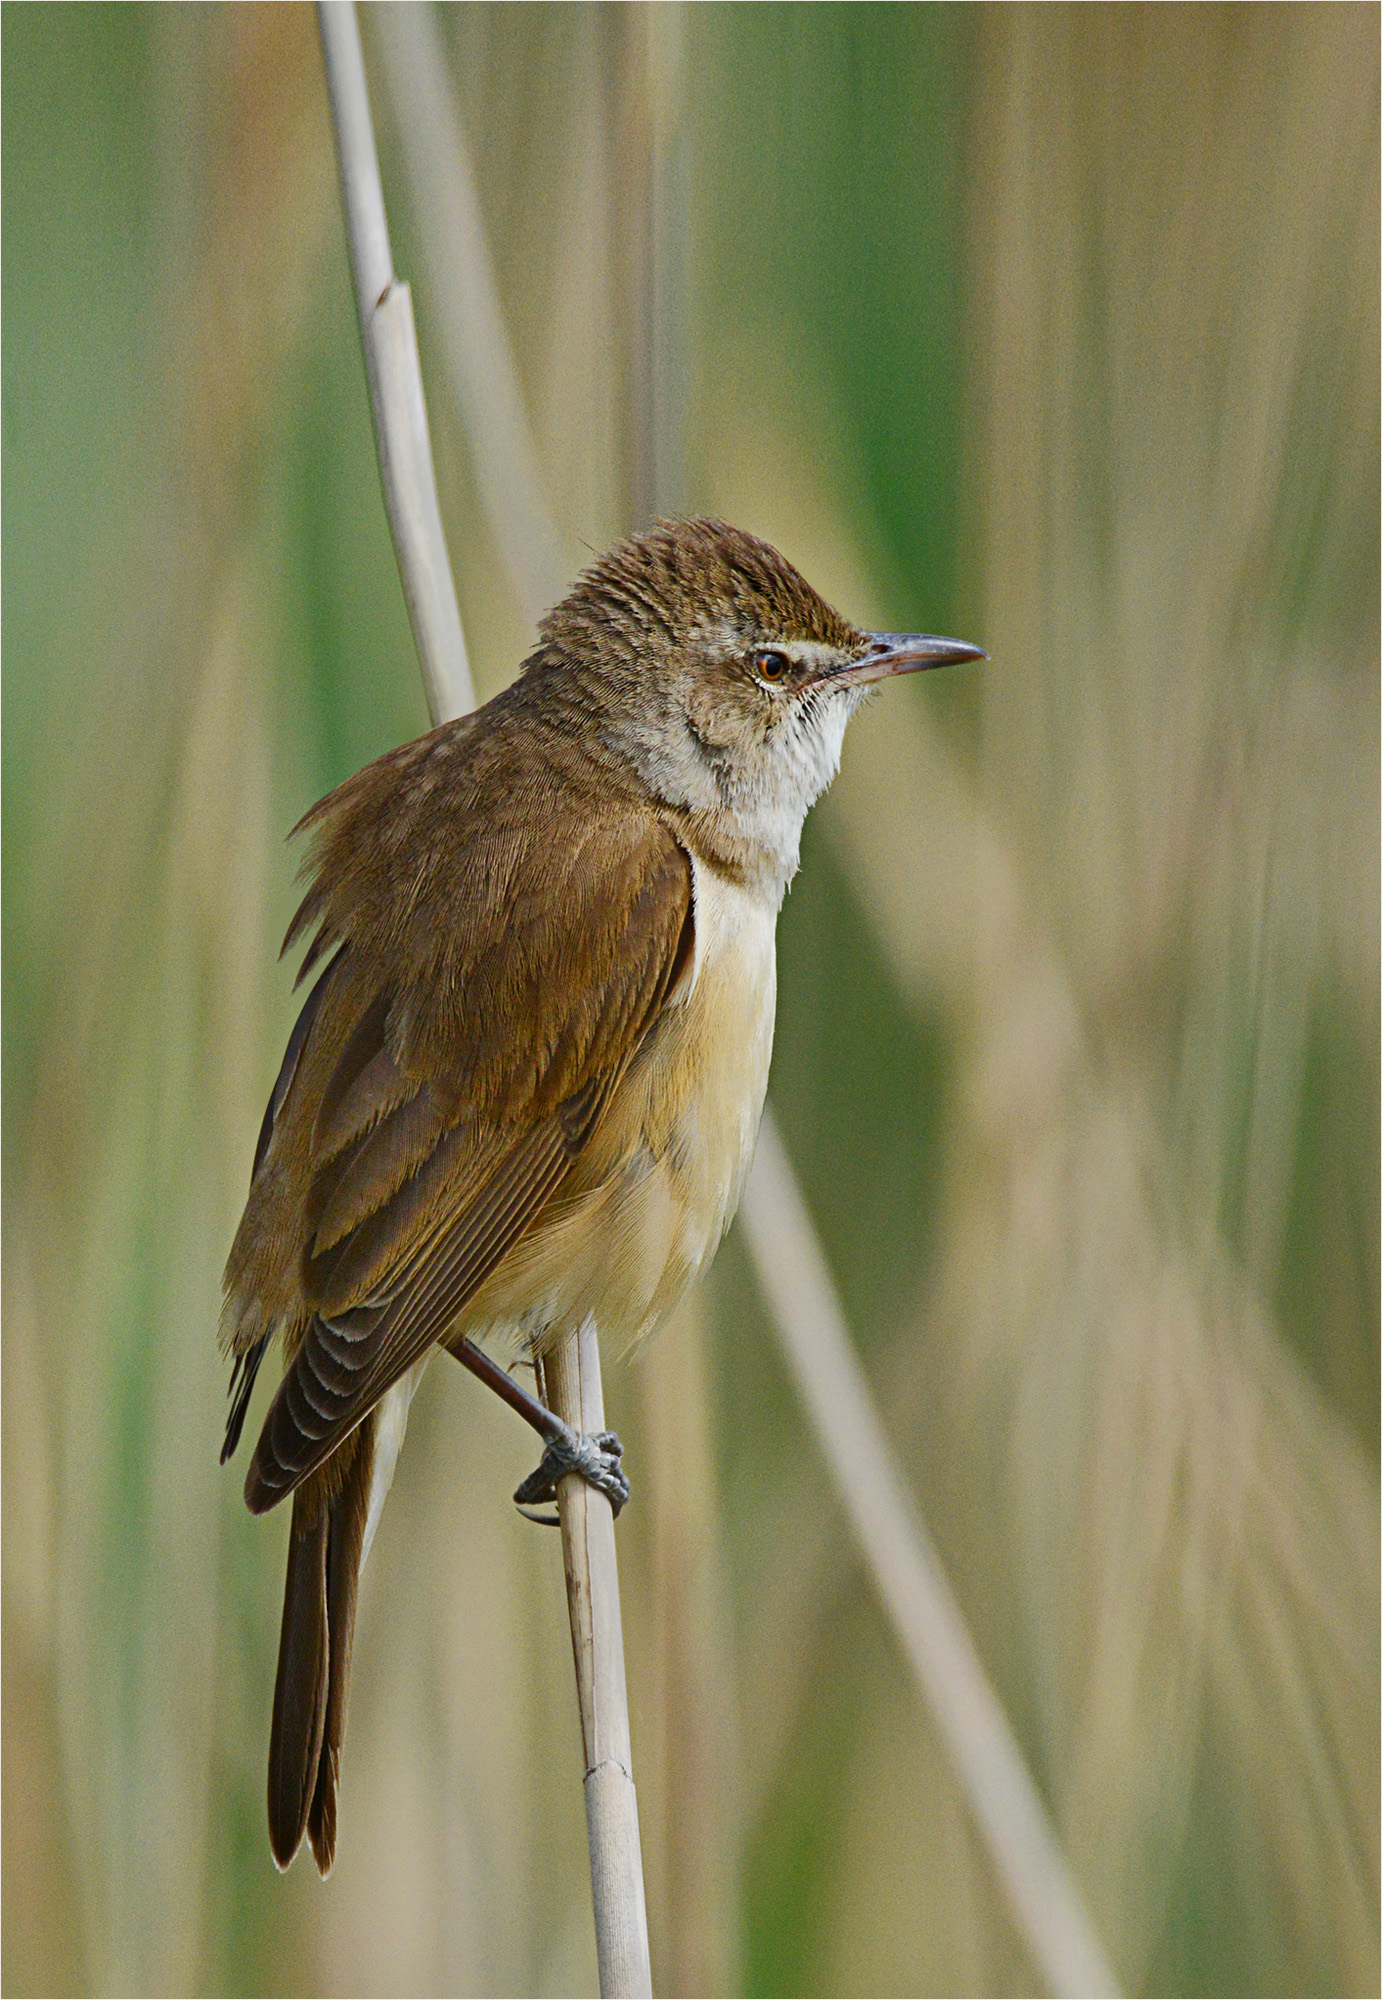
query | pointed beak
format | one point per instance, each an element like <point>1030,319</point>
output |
<point>905,653</point>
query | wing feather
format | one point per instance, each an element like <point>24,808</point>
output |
<point>346,1363</point>
<point>436,1135</point>
<point>247,1360</point>
<point>396,1160</point>
<point>348,1104</point>
<point>288,1068</point>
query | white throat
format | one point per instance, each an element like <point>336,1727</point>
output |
<point>765,792</point>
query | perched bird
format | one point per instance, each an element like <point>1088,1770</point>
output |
<point>525,1089</point>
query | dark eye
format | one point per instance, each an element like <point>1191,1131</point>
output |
<point>771,666</point>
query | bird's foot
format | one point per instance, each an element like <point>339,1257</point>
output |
<point>596,1456</point>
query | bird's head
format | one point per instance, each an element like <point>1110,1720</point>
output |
<point>710,664</point>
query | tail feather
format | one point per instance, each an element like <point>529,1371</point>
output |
<point>314,1657</point>
<point>344,1552</point>
<point>300,1690</point>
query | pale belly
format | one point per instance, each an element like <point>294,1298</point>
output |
<point>660,1182</point>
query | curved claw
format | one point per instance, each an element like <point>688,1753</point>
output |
<point>595,1456</point>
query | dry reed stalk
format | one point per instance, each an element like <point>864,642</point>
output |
<point>571,1373</point>
<point>395,378</point>
<point>570,1377</point>
<point>911,1580</point>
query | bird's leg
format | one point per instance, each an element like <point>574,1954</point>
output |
<point>596,1457</point>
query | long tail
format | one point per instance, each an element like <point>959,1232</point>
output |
<point>329,1514</point>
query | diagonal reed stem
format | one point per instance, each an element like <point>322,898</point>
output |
<point>571,1375</point>
<point>791,1268</point>
<point>911,1579</point>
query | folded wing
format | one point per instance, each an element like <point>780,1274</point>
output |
<point>444,1117</point>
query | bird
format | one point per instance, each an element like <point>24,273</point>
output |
<point>525,1086</point>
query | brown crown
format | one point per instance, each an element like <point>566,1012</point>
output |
<point>662,583</point>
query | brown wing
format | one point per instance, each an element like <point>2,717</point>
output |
<point>242,1378</point>
<point>444,1116</point>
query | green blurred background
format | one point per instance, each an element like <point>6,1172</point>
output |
<point>1056,328</point>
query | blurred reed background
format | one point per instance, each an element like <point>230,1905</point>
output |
<point>1054,328</point>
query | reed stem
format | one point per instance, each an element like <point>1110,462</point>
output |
<point>389,338</point>
<point>571,1375</point>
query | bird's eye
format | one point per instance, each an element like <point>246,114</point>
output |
<point>771,666</point>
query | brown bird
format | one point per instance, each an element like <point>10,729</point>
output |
<point>526,1087</point>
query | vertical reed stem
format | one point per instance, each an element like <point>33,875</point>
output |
<point>571,1376</point>
<point>389,338</point>
<point>571,1381</point>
